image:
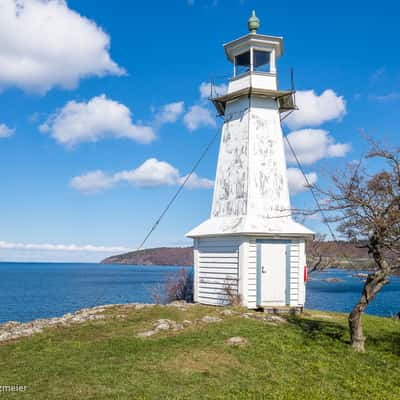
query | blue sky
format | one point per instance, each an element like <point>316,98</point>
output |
<point>102,115</point>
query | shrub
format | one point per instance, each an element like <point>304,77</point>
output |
<point>179,286</point>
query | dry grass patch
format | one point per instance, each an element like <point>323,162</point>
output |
<point>207,362</point>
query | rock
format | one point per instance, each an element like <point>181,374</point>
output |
<point>9,324</point>
<point>187,322</point>
<point>14,330</point>
<point>208,319</point>
<point>163,325</point>
<point>147,333</point>
<point>275,319</point>
<point>227,312</point>
<point>257,315</point>
<point>237,341</point>
<point>332,280</point>
<point>360,275</point>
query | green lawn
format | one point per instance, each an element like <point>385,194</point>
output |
<point>306,358</point>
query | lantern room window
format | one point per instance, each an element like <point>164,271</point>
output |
<point>252,60</point>
<point>261,60</point>
<point>242,63</point>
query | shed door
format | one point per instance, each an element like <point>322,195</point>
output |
<point>273,273</point>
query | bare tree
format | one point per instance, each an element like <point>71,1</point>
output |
<point>317,257</point>
<point>366,209</point>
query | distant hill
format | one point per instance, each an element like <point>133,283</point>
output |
<point>184,255</point>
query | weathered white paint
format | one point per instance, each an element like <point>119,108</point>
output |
<point>251,193</point>
<point>251,201</point>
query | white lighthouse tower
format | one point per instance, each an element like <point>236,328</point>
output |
<point>250,245</point>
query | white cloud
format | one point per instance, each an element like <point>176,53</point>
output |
<point>170,113</point>
<point>314,110</point>
<point>207,90</point>
<point>60,247</point>
<point>92,182</point>
<point>38,252</point>
<point>149,174</point>
<point>44,44</point>
<point>196,182</point>
<point>311,145</point>
<point>5,131</point>
<point>297,182</point>
<point>198,116</point>
<point>100,117</point>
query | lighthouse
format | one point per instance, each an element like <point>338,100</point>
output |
<point>250,247</point>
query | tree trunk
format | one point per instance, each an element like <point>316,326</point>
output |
<point>356,331</point>
<point>372,286</point>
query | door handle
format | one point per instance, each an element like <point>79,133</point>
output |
<point>263,270</point>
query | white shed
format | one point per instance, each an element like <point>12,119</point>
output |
<point>250,245</point>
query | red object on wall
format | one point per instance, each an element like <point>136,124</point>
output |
<point>305,274</point>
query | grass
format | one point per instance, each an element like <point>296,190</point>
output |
<point>306,358</point>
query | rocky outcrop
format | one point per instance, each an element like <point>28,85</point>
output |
<point>15,330</point>
<point>161,325</point>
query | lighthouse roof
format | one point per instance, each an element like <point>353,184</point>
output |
<point>250,225</point>
<point>256,40</point>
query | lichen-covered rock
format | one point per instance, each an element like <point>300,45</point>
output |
<point>275,319</point>
<point>237,341</point>
<point>227,312</point>
<point>161,325</point>
<point>13,330</point>
<point>208,319</point>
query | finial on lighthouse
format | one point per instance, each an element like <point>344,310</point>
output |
<point>253,23</point>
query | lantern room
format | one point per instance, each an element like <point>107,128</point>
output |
<point>254,55</point>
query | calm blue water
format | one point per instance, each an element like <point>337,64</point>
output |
<point>341,296</point>
<point>38,290</point>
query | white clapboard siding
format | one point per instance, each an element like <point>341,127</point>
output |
<point>217,266</point>
<point>252,274</point>
<point>294,282</point>
<point>302,264</point>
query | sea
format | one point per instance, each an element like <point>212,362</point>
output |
<point>30,291</point>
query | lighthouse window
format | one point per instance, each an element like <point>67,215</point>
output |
<point>261,60</point>
<point>242,63</point>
